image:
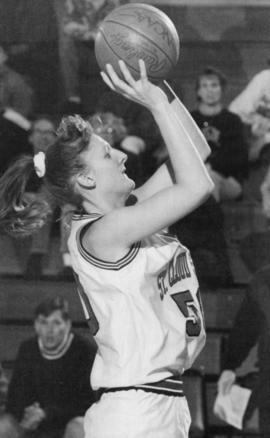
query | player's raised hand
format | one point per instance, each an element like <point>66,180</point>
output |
<point>141,91</point>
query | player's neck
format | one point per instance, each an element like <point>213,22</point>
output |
<point>102,206</point>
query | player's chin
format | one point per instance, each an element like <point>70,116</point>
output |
<point>129,183</point>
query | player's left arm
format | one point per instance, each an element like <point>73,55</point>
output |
<point>164,176</point>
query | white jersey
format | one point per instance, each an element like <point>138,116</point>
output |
<point>144,309</point>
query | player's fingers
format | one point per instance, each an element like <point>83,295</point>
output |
<point>143,71</point>
<point>107,80</point>
<point>126,73</point>
<point>118,83</point>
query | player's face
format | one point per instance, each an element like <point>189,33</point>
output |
<point>209,90</point>
<point>52,329</point>
<point>107,167</point>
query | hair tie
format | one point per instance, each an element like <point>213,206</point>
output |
<point>39,164</point>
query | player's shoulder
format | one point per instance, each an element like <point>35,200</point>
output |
<point>263,75</point>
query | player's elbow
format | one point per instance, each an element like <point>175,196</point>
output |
<point>203,190</point>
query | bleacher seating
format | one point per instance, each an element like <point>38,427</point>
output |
<point>19,298</point>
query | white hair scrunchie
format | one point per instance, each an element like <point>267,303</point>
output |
<point>39,164</point>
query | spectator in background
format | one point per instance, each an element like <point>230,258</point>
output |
<point>251,325</point>
<point>254,247</point>
<point>203,230</point>
<point>50,388</point>
<point>15,106</point>
<point>253,106</point>
<point>256,186</point>
<point>42,135</point>
<point>15,93</point>
<point>78,22</point>
<point>223,130</point>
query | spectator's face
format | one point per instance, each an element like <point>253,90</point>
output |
<point>42,135</point>
<point>209,91</point>
<point>110,127</point>
<point>52,329</point>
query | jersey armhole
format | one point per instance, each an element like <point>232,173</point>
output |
<point>104,264</point>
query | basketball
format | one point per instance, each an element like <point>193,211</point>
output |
<point>138,31</point>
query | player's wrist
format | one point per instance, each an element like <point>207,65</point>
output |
<point>164,86</point>
<point>160,109</point>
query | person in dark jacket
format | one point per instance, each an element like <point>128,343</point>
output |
<point>50,387</point>
<point>252,326</point>
<point>222,129</point>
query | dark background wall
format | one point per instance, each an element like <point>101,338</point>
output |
<point>234,39</point>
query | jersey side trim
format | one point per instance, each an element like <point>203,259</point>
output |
<point>169,387</point>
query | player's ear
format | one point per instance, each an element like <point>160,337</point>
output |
<point>86,181</point>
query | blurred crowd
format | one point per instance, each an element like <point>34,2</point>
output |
<point>238,136</point>
<point>239,164</point>
<point>49,390</point>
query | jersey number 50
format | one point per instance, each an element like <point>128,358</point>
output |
<point>186,305</point>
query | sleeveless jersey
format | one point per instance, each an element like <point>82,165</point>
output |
<point>144,310</point>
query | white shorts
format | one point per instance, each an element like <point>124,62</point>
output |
<point>137,414</point>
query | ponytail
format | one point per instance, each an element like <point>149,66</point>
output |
<point>20,214</point>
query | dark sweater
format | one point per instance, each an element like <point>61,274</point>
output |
<point>230,157</point>
<point>252,325</point>
<point>61,386</point>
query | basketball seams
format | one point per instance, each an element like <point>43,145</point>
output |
<point>140,34</point>
<point>138,31</point>
<point>153,10</point>
<point>153,78</point>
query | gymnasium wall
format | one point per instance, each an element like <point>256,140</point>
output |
<point>233,39</point>
<point>213,32</point>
